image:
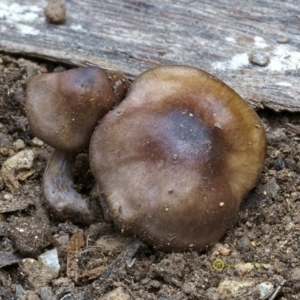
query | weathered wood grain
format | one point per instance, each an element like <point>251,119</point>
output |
<point>132,36</point>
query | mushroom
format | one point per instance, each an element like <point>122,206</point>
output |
<point>63,109</point>
<point>175,159</point>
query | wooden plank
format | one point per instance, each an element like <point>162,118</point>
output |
<point>132,36</point>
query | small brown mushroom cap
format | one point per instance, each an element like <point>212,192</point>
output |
<point>176,158</point>
<point>64,108</point>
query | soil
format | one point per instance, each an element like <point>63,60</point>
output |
<point>257,259</point>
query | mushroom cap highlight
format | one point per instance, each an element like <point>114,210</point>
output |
<point>174,160</point>
<point>63,108</point>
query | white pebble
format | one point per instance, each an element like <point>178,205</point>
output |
<point>37,142</point>
<point>8,197</point>
<point>49,262</point>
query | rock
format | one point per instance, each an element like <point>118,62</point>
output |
<point>22,160</point>
<point>117,294</point>
<point>220,249</point>
<point>259,58</point>
<point>270,188</point>
<point>235,288</point>
<point>282,40</point>
<point>244,244</point>
<point>19,144</point>
<point>55,12</point>
<point>37,142</point>
<point>49,262</point>
<point>279,164</point>
<point>264,289</point>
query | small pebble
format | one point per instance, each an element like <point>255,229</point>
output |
<point>49,262</point>
<point>267,266</point>
<point>55,12</point>
<point>259,58</point>
<point>270,188</point>
<point>8,197</point>
<point>264,289</point>
<point>244,244</point>
<point>282,40</point>
<point>22,160</point>
<point>220,249</point>
<point>279,164</point>
<point>232,288</point>
<point>162,52</point>
<point>37,142</point>
<point>19,144</point>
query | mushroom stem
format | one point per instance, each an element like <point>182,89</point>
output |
<point>64,201</point>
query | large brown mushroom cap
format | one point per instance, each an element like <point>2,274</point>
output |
<point>177,156</point>
<point>64,108</point>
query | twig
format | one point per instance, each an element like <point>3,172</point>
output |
<point>273,294</point>
<point>122,259</point>
<point>293,128</point>
<point>278,289</point>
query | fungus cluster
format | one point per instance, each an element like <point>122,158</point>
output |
<point>172,161</point>
<point>63,109</point>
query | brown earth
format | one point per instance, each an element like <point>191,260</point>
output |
<point>257,257</point>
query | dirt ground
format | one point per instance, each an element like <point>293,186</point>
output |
<point>257,259</point>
